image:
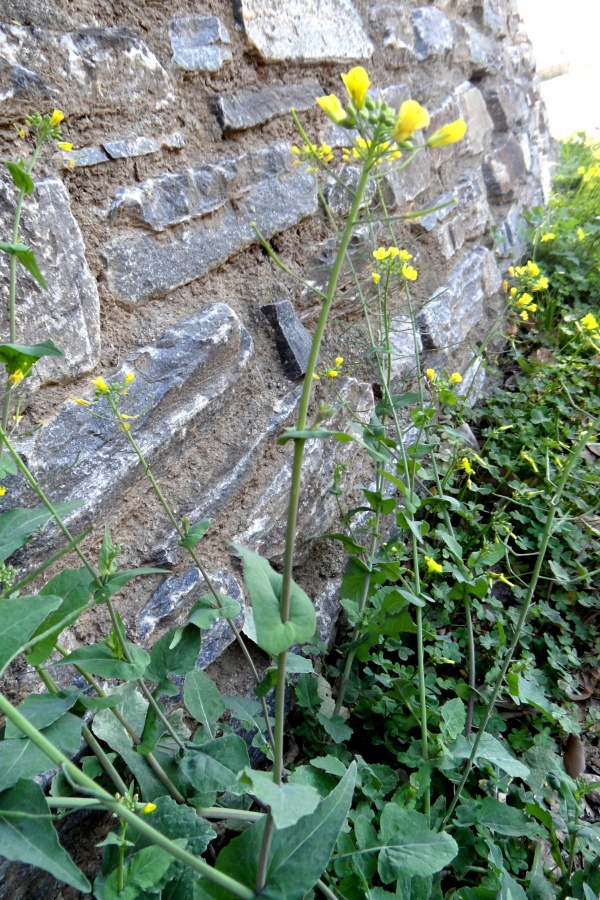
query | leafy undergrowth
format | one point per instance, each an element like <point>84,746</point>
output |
<point>522,823</point>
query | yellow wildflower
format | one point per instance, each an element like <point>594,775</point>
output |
<point>430,374</point>
<point>532,269</point>
<point>21,132</point>
<point>532,308</point>
<point>524,315</point>
<point>525,300</point>
<point>466,466</point>
<point>17,376</point>
<point>580,234</point>
<point>64,145</point>
<point>332,373</point>
<point>357,84</point>
<point>411,117</point>
<point>448,134</point>
<point>381,253</point>
<point>505,286</point>
<point>2,491</point>
<point>148,808</point>
<point>125,427</point>
<point>529,460</point>
<point>376,277</point>
<point>513,291</point>
<point>455,378</point>
<point>315,377</point>
<point>547,237</point>
<point>332,107</point>
<point>433,566</point>
<point>100,385</point>
<point>128,379</point>
<point>71,163</point>
<point>511,271</point>
<point>339,360</point>
<point>541,284</point>
<point>409,273</point>
<point>589,322</point>
<point>56,118</point>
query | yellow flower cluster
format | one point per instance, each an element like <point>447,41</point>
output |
<point>432,566</point>
<point>529,281</point>
<point>332,371</point>
<point>395,260</point>
<point>313,153</point>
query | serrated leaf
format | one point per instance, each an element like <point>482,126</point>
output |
<point>288,803</point>
<point>215,765</point>
<point>74,587</point>
<point>195,534</point>
<point>17,525</point>
<point>28,836</point>
<point>202,699</point>
<point>20,618</point>
<point>98,659</point>
<point>409,847</point>
<point>20,758</point>
<point>264,586</point>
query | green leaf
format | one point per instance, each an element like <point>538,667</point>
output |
<point>498,817</point>
<point>493,751</point>
<point>140,872</point>
<point>336,728</point>
<point>410,398</point>
<point>74,587</point>
<point>410,847</point>
<point>298,856</point>
<point>20,758</point>
<point>484,559</point>
<point>41,710</point>
<point>215,765</point>
<point>26,257</point>
<point>203,613</point>
<point>288,803</point>
<point>17,525</point>
<point>264,586</point>
<point>451,543</point>
<point>120,579</point>
<point>178,660</point>
<point>20,177</point>
<point>310,434</point>
<point>454,716</point>
<point>98,659</point>
<point>28,836</point>
<point>202,699</point>
<point>18,358</point>
<point>19,620</point>
<point>348,543</point>
<point>195,534</point>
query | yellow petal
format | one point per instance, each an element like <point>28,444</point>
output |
<point>448,134</point>
<point>411,118</point>
<point>357,84</point>
<point>56,118</point>
<point>332,106</point>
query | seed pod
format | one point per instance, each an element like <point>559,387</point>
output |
<point>574,756</point>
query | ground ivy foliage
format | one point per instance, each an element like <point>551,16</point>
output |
<point>427,744</point>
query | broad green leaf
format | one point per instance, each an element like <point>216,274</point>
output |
<point>98,659</point>
<point>202,699</point>
<point>19,620</point>
<point>335,727</point>
<point>498,817</point>
<point>20,758</point>
<point>28,836</point>
<point>511,889</point>
<point>26,257</point>
<point>178,660</point>
<point>264,586</point>
<point>493,751</point>
<point>330,764</point>
<point>41,710</point>
<point>247,711</point>
<point>203,613</point>
<point>120,579</point>
<point>288,802</point>
<point>398,401</point>
<point>215,766</point>
<point>484,559</point>
<point>354,579</point>
<point>348,543</point>
<point>454,716</point>
<point>21,179</point>
<point>409,846</point>
<point>195,534</point>
<point>17,525</point>
<point>74,587</point>
<point>298,856</point>
<point>18,358</point>
<point>140,872</point>
<point>451,543</point>
<point>150,732</point>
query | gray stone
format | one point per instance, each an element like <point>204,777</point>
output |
<point>475,50</point>
<point>402,345</point>
<point>432,32</point>
<point>473,203</point>
<point>87,156</point>
<point>327,610</point>
<point>177,379</point>
<point>447,112</point>
<point>195,41</point>
<point>339,191</point>
<point>491,15</point>
<point>508,106</point>
<point>511,241</point>
<point>459,306</point>
<point>293,341</point>
<point>442,207</point>
<point>451,237</point>
<point>503,169</point>
<point>474,378</point>
<point>239,110</point>
<point>23,84</point>
<point>176,596</point>
<point>403,185</point>
<point>92,67</point>
<point>306,30</point>
<point>472,108</point>
<point>141,268</point>
<point>317,509</point>
<point>393,27</point>
<point>137,146</point>
<point>42,13</point>
<point>68,313</point>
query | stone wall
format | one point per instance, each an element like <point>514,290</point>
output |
<point>179,115</point>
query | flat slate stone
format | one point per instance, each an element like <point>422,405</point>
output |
<point>306,30</point>
<point>504,168</point>
<point>472,108</point>
<point>196,43</point>
<point>293,341</point>
<point>402,344</point>
<point>137,146</point>
<point>176,381</point>
<point>243,109</point>
<point>473,203</point>
<point>68,313</point>
<point>432,32</point>
<point>139,269</point>
<point>393,23</point>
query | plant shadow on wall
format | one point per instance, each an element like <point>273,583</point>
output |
<point>470,561</point>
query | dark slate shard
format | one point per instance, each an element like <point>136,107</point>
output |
<point>432,32</point>
<point>28,83</point>
<point>169,596</point>
<point>196,43</point>
<point>292,339</point>
<point>239,110</point>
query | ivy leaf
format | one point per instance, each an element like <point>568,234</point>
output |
<point>28,836</point>
<point>17,525</point>
<point>264,586</point>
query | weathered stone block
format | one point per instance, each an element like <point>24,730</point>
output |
<point>447,112</point>
<point>266,532</point>
<point>458,307</point>
<point>504,168</point>
<point>451,237</point>
<point>472,109</point>
<point>508,106</point>
<point>474,49</point>
<point>177,379</point>
<point>239,110</point>
<point>405,185</point>
<point>393,27</point>
<point>306,30</point>
<point>196,43</point>
<point>511,240</point>
<point>432,32</point>
<point>68,313</point>
<point>492,15</point>
<point>473,203</point>
<point>293,340</point>
<point>339,191</point>
<point>445,203</point>
<point>123,149</point>
<point>404,355</point>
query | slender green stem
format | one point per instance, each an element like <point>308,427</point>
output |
<point>329,894</point>
<point>46,564</point>
<point>120,873</point>
<point>88,785</point>
<point>553,506</point>
<point>103,760</point>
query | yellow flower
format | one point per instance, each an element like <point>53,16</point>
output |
<point>332,373</point>
<point>376,277</point>
<point>529,460</point>
<point>580,234</point>
<point>100,385</point>
<point>525,300</point>
<point>532,269</point>
<point>148,808</point>
<point>2,491</point>
<point>125,427</point>
<point>433,566</point>
<point>71,163</point>
<point>505,286</point>
<point>404,255</point>
<point>589,322</point>
<point>524,315</point>
<point>466,465</point>
<point>511,271</point>
<point>411,117</point>
<point>339,360</point>
<point>430,374</point>
<point>64,145</point>
<point>128,379</point>
<point>357,84</point>
<point>381,253</point>
<point>547,237</point>
<point>541,284</point>
<point>56,118</point>
<point>80,402</point>
<point>532,308</point>
<point>409,273</point>
<point>513,291</point>
<point>21,132</point>
<point>16,376</point>
<point>332,107</point>
<point>448,134</point>
<point>455,378</point>
<point>315,377</point>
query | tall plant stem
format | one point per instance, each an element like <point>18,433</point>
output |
<point>294,500</point>
<point>88,785</point>
<point>553,506</point>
